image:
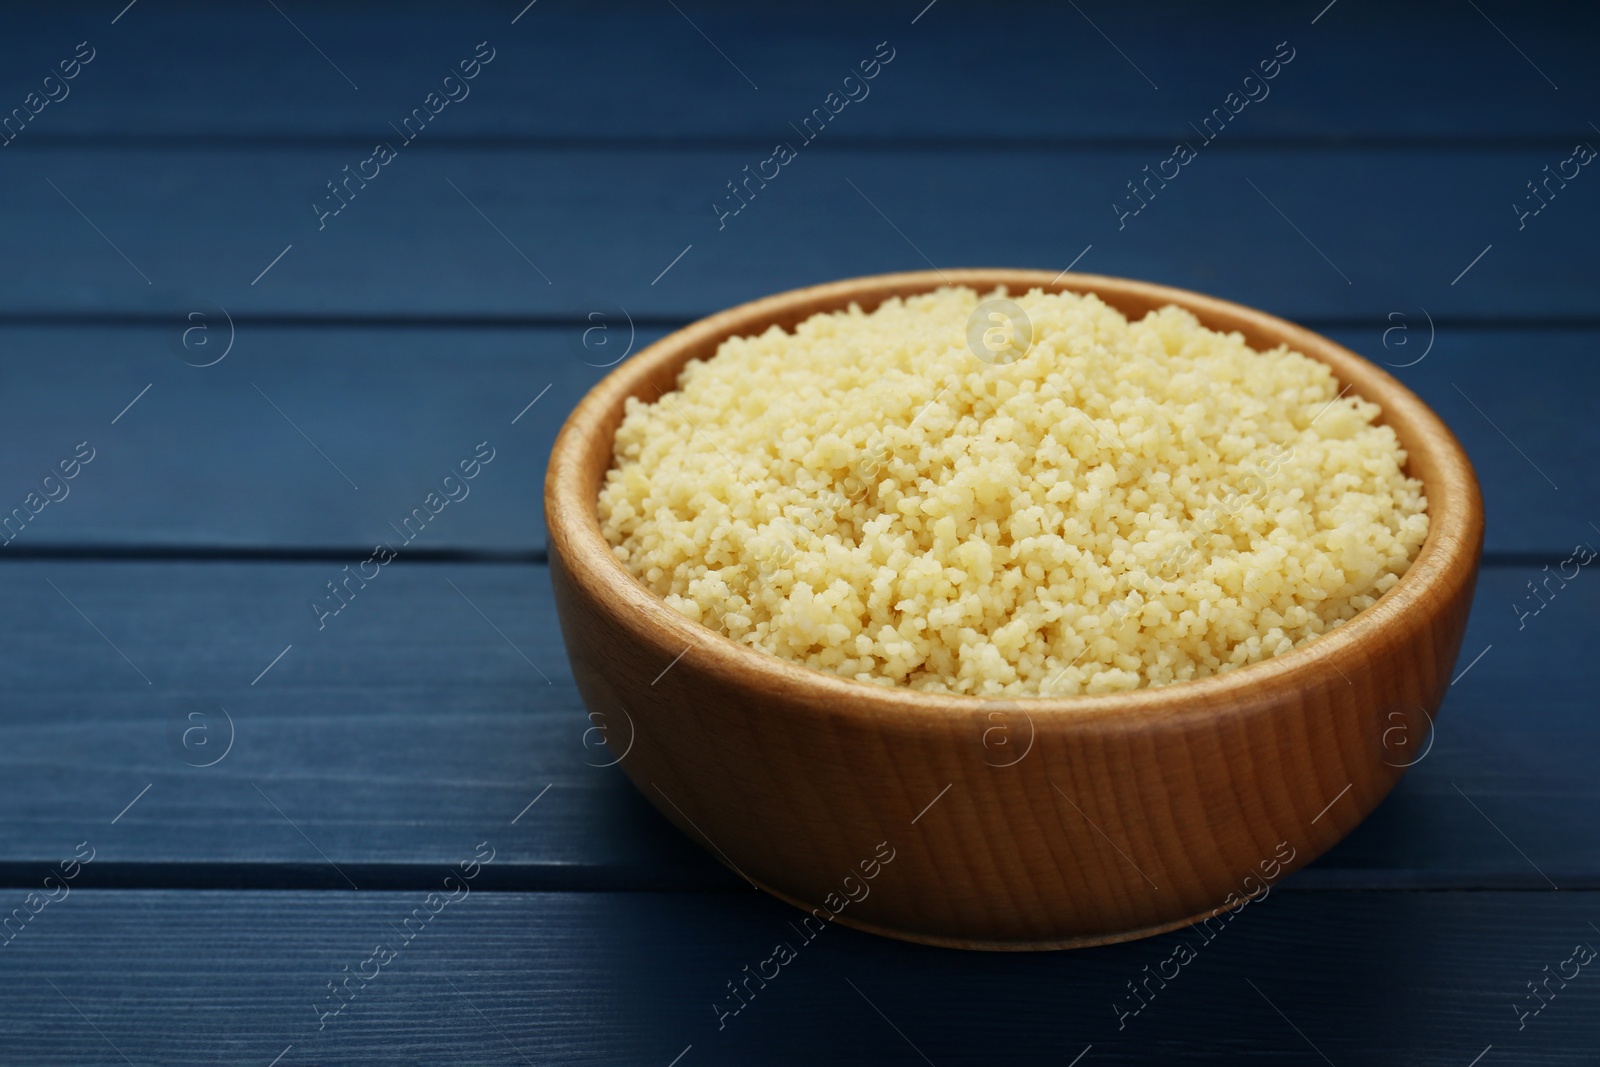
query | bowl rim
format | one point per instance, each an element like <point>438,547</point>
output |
<point>576,543</point>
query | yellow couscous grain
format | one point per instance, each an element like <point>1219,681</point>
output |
<point>1128,504</point>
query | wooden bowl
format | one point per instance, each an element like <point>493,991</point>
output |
<point>1034,823</point>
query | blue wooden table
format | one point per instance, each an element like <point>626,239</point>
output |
<point>273,270</point>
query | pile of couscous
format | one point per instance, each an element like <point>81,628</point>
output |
<point>1127,504</point>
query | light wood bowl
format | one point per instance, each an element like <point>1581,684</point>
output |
<point>1085,819</point>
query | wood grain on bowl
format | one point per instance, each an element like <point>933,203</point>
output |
<point>1028,823</point>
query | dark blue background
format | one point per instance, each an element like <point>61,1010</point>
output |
<point>266,800</point>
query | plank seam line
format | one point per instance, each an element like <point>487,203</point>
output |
<point>885,145</point>
<point>91,553</point>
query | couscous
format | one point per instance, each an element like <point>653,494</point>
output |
<point>1114,505</point>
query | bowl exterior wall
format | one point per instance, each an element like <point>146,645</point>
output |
<point>1042,830</point>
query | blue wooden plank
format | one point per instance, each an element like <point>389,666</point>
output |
<point>646,71</point>
<point>1521,402</point>
<point>1420,979</point>
<point>1491,791</point>
<point>417,714</point>
<point>298,439</point>
<point>210,459</point>
<point>411,722</point>
<point>475,232</point>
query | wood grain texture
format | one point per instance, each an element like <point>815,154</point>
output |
<point>794,777</point>
<point>299,440</point>
<point>410,729</point>
<point>202,222</point>
<point>409,726</point>
<point>639,71</point>
<point>1385,979</point>
<point>380,402</point>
